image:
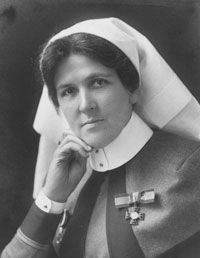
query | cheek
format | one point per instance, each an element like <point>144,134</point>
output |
<point>69,113</point>
<point>110,97</point>
<point>118,103</point>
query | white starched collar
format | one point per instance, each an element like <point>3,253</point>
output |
<point>128,143</point>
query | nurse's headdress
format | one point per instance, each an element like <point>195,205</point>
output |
<point>163,100</point>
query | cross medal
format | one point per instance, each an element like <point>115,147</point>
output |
<point>132,203</point>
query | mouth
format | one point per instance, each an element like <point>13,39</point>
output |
<point>91,122</point>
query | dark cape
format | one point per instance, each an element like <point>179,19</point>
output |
<point>171,166</point>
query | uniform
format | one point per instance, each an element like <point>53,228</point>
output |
<point>166,163</point>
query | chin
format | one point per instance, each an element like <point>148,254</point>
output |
<point>97,141</point>
<point>94,143</point>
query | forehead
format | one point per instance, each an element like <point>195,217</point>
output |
<point>78,66</point>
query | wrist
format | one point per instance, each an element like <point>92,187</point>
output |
<point>55,195</point>
<point>48,205</point>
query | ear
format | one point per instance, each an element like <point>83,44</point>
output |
<point>134,96</point>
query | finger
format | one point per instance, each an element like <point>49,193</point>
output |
<point>67,132</point>
<point>75,139</point>
<point>71,147</point>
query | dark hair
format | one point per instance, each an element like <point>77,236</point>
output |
<point>93,47</point>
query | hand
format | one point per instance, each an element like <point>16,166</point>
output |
<point>67,167</point>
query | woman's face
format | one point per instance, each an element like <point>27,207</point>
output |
<point>95,103</point>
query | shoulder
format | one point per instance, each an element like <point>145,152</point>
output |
<point>166,148</point>
<point>168,142</point>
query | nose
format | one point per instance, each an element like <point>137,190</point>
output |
<point>87,102</point>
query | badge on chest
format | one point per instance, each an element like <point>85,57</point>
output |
<point>132,202</point>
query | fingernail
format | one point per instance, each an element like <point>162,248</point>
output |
<point>89,148</point>
<point>64,135</point>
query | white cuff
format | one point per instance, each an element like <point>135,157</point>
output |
<point>47,205</point>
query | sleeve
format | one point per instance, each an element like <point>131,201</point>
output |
<point>34,238</point>
<point>47,120</point>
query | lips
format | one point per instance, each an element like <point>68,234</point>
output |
<point>91,121</point>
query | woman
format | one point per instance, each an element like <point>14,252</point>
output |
<point>141,205</point>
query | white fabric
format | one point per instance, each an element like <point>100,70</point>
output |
<point>187,122</point>
<point>127,144</point>
<point>47,121</point>
<point>47,205</point>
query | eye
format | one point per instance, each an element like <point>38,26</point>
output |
<point>69,91</point>
<point>99,82</point>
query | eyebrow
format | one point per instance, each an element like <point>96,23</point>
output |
<point>95,75</point>
<point>88,78</point>
<point>63,86</point>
